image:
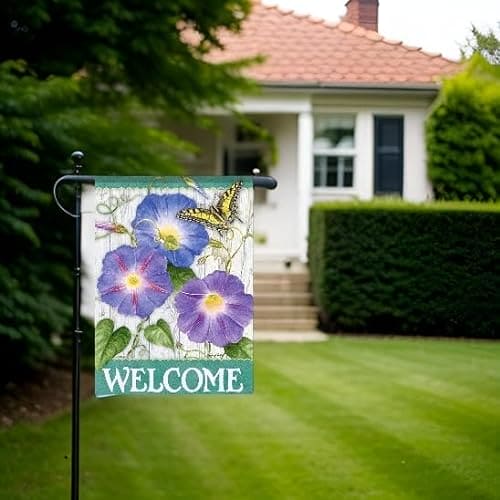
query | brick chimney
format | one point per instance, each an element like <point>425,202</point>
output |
<point>362,13</point>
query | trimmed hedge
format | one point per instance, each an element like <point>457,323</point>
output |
<point>397,268</point>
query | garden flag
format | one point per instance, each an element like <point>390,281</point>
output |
<point>174,274</point>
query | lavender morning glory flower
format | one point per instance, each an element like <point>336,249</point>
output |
<point>214,309</point>
<point>156,225</point>
<point>134,280</point>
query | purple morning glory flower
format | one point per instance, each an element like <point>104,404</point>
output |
<point>214,309</point>
<point>134,280</point>
<point>156,225</point>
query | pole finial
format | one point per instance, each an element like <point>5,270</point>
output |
<point>77,157</point>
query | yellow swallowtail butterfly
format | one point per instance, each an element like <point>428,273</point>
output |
<point>218,216</point>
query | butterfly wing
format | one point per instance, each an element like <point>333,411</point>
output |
<point>227,204</point>
<point>209,217</point>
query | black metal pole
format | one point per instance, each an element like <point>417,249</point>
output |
<point>77,158</point>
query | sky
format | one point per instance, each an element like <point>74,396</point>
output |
<point>435,25</point>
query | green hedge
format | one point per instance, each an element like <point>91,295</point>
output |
<point>396,268</point>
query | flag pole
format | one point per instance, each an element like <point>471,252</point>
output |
<point>77,158</point>
<point>266,182</point>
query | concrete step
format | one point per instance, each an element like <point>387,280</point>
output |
<point>285,324</point>
<point>291,277</point>
<point>282,285</point>
<point>295,336</point>
<point>285,312</point>
<point>282,299</point>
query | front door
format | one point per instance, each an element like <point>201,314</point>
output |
<point>389,155</point>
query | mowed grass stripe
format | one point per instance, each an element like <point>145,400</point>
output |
<point>412,403</point>
<point>235,448</point>
<point>34,461</point>
<point>295,453</point>
<point>346,419</point>
<point>464,379</point>
<point>425,431</point>
<point>481,420</point>
<point>330,423</point>
<point>396,462</point>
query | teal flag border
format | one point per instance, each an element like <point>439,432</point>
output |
<point>162,182</point>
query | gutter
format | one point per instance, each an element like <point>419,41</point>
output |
<point>319,87</point>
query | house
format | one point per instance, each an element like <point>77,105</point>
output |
<point>346,108</point>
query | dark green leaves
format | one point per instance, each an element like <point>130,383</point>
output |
<point>159,334</point>
<point>109,343</point>
<point>180,276</point>
<point>241,350</point>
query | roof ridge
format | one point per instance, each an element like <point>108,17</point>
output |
<point>298,15</point>
<point>347,27</point>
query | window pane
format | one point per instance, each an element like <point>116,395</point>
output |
<point>333,131</point>
<point>318,161</point>
<point>333,171</point>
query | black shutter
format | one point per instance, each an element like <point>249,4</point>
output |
<point>389,155</point>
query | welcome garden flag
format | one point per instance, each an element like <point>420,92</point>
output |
<point>174,274</point>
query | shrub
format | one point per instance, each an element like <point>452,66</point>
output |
<point>396,268</point>
<point>463,135</point>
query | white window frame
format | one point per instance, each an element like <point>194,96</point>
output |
<point>339,153</point>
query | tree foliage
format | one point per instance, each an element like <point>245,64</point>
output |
<point>153,49</point>
<point>95,75</point>
<point>487,44</point>
<point>463,135</point>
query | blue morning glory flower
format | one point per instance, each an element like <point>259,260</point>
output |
<point>157,226</point>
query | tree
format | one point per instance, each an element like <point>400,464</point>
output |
<point>463,135</point>
<point>155,50</point>
<point>86,73</point>
<point>487,44</point>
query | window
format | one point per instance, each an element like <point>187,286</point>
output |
<point>241,160</point>
<point>244,154</point>
<point>334,151</point>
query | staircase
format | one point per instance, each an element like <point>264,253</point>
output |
<point>283,302</point>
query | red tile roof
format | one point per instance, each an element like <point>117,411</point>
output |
<point>307,51</point>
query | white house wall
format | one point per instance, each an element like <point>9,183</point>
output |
<point>416,185</point>
<point>278,218</point>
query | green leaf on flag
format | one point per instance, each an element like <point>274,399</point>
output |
<point>240,350</point>
<point>159,334</point>
<point>180,276</point>
<point>109,343</point>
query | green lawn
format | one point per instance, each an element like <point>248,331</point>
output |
<point>350,418</point>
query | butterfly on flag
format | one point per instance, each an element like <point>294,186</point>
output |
<point>218,216</point>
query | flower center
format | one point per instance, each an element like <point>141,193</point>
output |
<point>170,237</point>
<point>133,281</point>
<point>213,303</point>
